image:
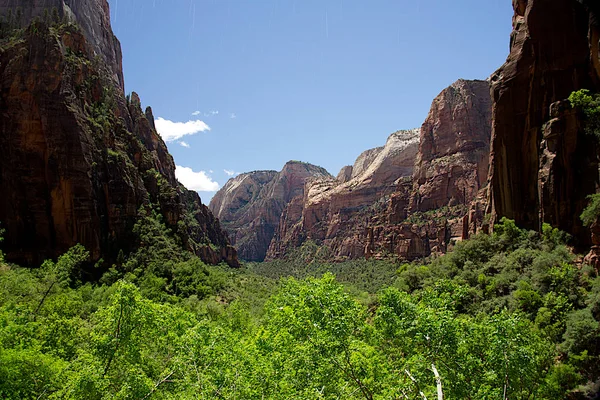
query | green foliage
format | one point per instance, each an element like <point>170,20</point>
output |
<point>591,213</point>
<point>589,104</point>
<point>311,260</point>
<point>506,315</point>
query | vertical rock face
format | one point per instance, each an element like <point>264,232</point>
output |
<point>93,16</point>
<point>452,162</point>
<point>250,205</point>
<point>77,159</point>
<point>542,166</point>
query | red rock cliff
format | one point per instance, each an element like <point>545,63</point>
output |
<point>92,16</point>
<point>78,159</point>
<point>452,162</point>
<point>408,198</point>
<point>542,165</point>
<point>338,212</point>
<point>250,205</point>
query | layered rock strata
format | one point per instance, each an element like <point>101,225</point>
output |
<point>407,199</point>
<point>453,159</point>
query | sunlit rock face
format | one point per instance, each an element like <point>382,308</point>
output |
<point>250,205</point>
<point>77,159</point>
<point>453,159</point>
<point>337,212</point>
<point>542,165</point>
<point>407,199</point>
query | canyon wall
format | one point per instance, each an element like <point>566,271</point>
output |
<point>79,161</point>
<point>542,165</point>
<point>249,206</point>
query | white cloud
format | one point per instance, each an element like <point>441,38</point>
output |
<point>230,172</point>
<point>211,113</point>
<point>232,116</point>
<point>184,144</point>
<point>198,181</point>
<point>171,131</point>
<point>196,113</point>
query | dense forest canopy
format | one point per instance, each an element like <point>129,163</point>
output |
<point>507,315</point>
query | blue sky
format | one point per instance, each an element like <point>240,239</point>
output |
<point>262,82</point>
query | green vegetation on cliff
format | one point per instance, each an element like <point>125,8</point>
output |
<point>589,104</point>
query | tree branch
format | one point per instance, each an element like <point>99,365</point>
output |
<point>438,381</point>
<point>165,379</point>
<point>412,378</point>
<point>35,313</point>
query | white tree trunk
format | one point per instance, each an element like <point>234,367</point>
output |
<point>438,381</point>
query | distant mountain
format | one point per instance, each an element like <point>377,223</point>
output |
<point>249,206</point>
<point>333,211</point>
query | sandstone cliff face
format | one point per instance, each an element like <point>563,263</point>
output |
<point>409,198</point>
<point>542,165</point>
<point>250,205</point>
<point>77,159</point>
<point>92,16</point>
<point>336,212</point>
<point>452,162</point>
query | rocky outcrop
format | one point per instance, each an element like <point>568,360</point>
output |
<point>542,165</point>
<point>78,161</point>
<point>452,162</point>
<point>250,205</point>
<point>345,174</point>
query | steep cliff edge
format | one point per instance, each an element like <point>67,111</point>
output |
<point>80,162</point>
<point>249,206</point>
<point>542,165</point>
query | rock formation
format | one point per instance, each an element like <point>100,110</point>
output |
<point>249,206</point>
<point>78,160</point>
<point>542,165</point>
<point>452,162</point>
<point>92,16</point>
<point>409,198</point>
<point>336,212</point>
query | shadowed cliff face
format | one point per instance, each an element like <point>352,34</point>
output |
<point>79,161</point>
<point>249,206</point>
<point>542,165</point>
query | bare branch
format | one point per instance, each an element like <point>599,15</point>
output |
<point>412,378</point>
<point>438,381</point>
<point>165,379</point>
